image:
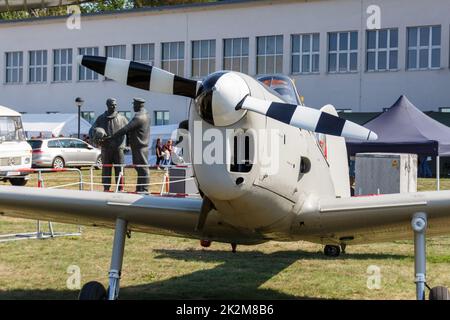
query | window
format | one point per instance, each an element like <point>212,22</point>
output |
<point>89,116</point>
<point>172,59</point>
<point>37,68</point>
<point>53,144</point>
<point>85,74</point>
<point>203,57</point>
<point>269,58</point>
<point>161,118</point>
<point>14,67</point>
<point>305,53</point>
<point>424,48</point>
<point>236,54</point>
<point>343,52</point>
<point>116,51</point>
<point>144,53</point>
<point>382,50</point>
<point>126,114</point>
<point>62,65</point>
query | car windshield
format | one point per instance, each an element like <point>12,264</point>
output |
<point>11,129</point>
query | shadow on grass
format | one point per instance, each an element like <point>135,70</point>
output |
<point>237,276</point>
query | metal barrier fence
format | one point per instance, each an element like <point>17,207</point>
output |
<point>40,234</point>
<point>164,183</point>
<point>164,190</point>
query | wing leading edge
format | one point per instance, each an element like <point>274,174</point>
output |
<point>381,218</point>
<point>149,214</point>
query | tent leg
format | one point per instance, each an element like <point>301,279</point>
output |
<point>438,174</point>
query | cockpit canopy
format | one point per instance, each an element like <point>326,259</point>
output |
<point>283,87</point>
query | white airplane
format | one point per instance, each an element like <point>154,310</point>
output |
<point>304,195</point>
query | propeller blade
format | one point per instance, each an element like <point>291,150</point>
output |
<point>307,118</point>
<point>141,76</point>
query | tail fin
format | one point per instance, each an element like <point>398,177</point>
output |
<point>336,153</point>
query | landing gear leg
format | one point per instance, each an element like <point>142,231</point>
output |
<point>233,247</point>
<point>419,225</point>
<point>343,247</point>
<point>117,258</point>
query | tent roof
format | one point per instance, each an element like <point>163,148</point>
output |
<point>53,122</point>
<point>404,128</point>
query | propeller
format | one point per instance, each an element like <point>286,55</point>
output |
<point>307,118</point>
<point>141,76</point>
<point>223,98</point>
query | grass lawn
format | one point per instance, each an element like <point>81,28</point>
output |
<point>157,267</point>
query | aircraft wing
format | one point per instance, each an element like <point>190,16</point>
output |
<point>371,219</point>
<point>151,214</point>
<point>13,5</point>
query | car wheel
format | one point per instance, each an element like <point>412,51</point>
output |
<point>98,163</point>
<point>19,182</point>
<point>58,163</point>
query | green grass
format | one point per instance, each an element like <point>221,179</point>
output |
<point>157,267</point>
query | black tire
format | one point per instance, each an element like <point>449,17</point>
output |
<point>98,163</point>
<point>439,293</point>
<point>58,163</point>
<point>92,291</point>
<point>19,182</point>
<point>332,250</point>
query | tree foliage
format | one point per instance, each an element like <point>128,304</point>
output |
<point>95,6</point>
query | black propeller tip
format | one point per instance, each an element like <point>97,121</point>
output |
<point>241,103</point>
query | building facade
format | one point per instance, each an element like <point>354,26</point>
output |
<point>329,47</point>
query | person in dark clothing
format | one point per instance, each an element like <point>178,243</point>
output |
<point>138,131</point>
<point>159,152</point>
<point>112,150</point>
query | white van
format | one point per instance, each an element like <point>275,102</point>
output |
<point>15,152</point>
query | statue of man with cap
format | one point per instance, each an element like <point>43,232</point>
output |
<point>107,124</point>
<point>138,131</point>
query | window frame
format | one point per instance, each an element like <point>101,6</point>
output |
<point>68,65</point>
<point>151,53</point>
<point>178,59</point>
<point>163,112</point>
<point>377,50</point>
<point>243,66</point>
<point>43,66</point>
<point>300,54</point>
<point>265,55</point>
<point>13,68</point>
<point>338,52</point>
<point>419,48</point>
<point>210,59</point>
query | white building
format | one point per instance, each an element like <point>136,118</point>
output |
<point>324,44</point>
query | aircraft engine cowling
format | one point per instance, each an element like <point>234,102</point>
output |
<point>218,96</point>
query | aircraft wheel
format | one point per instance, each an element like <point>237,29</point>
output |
<point>20,182</point>
<point>439,293</point>
<point>92,291</point>
<point>332,251</point>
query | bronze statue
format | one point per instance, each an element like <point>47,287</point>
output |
<point>138,131</point>
<point>112,149</point>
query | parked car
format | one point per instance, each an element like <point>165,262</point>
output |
<point>64,152</point>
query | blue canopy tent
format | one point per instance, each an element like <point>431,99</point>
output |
<point>404,128</point>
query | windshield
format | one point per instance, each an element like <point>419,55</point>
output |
<point>283,86</point>
<point>11,129</point>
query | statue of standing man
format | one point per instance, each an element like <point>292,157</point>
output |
<point>108,124</point>
<point>138,131</point>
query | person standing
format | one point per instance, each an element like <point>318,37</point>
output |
<point>159,152</point>
<point>112,150</point>
<point>138,131</point>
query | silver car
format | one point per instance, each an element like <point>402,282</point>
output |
<point>64,152</point>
